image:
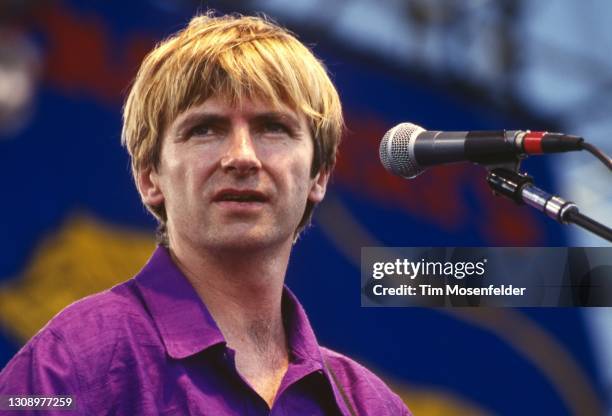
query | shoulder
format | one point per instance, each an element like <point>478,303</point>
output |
<point>115,309</point>
<point>367,391</point>
<point>100,304</point>
<point>92,335</point>
<point>104,326</point>
<point>85,347</point>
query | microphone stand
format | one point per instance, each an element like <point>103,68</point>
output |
<point>520,189</point>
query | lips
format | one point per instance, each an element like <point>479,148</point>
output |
<point>240,195</point>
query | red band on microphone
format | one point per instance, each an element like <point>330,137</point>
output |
<point>532,142</point>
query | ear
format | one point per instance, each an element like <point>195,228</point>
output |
<point>148,186</point>
<point>318,186</point>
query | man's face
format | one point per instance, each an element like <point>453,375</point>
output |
<point>234,177</point>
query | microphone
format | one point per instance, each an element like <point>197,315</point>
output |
<point>407,149</point>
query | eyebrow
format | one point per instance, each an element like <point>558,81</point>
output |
<point>194,118</point>
<point>278,116</point>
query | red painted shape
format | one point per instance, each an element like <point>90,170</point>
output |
<point>502,222</point>
<point>439,196</point>
<point>532,142</point>
<point>427,196</point>
<point>83,57</point>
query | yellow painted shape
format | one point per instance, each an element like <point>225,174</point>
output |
<point>86,256</point>
<point>425,402</point>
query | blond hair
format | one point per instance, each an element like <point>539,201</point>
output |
<point>234,57</point>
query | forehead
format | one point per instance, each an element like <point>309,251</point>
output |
<point>245,108</point>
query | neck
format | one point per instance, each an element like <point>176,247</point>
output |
<point>242,290</point>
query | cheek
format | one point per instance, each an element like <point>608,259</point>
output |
<point>300,180</point>
<point>193,165</point>
<point>178,181</point>
<point>294,164</point>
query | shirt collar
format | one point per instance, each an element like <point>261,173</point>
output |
<point>187,327</point>
<point>302,341</point>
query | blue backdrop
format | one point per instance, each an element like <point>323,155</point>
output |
<point>69,201</point>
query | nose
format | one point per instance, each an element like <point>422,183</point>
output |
<point>241,156</point>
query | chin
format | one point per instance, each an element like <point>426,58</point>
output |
<point>247,240</point>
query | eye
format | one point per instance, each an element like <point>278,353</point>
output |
<point>201,130</point>
<point>276,127</point>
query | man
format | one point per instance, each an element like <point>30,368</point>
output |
<point>232,126</point>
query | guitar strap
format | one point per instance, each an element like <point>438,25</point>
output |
<point>345,398</point>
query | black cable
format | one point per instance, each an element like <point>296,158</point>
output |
<point>605,159</point>
<point>575,217</point>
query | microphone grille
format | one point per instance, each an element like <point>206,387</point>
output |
<point>397,150</point>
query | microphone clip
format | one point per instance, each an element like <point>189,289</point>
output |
<point>521,189</point>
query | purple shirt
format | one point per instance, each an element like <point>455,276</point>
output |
<point>149,346</point>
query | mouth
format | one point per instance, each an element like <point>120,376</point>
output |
<point>240,196</point>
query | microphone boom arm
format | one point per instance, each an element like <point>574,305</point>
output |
<point>520,189</point>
